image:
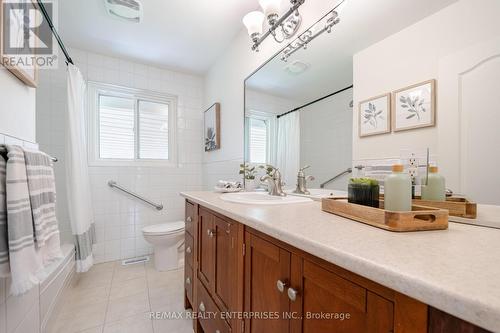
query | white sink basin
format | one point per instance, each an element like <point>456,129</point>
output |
<point>262,198</point>
<point>318,194</point>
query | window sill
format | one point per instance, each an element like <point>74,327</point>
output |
<point>133,163</point>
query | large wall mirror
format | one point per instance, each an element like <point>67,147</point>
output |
<point>298,113</point>
<point>302,109</point>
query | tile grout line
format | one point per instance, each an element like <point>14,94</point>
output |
<point>149,299</point>
<point>108,298</point>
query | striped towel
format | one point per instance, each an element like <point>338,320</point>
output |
<point>4,240</point>
<point>25,263</point>
<point>42,191</point>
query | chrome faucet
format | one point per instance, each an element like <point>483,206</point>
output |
<point>302,181</point>
<point>274,183</point>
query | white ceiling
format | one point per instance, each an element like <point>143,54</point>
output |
<point>363,23</point>
<point>183,34</point>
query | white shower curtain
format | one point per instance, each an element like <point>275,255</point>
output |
<point>288,147</point>
<point>77,173</point>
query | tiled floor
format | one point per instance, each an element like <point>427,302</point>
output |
<point>114,298</point>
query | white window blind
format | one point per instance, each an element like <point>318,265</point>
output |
<point>116,127</point>
<point>258,140</point>
<point>131,128</point>
<point>153,130</point>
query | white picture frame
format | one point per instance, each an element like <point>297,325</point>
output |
<point>375,116</point>
<point>414,106</point>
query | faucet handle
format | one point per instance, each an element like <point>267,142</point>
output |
<point>304,168</point>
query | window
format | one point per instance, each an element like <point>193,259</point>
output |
<point>259,136</point>
<point>130,126</point>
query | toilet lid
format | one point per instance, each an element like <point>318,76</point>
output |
<point>164,228</point>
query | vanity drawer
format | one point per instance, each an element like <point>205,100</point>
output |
<point>188,282</point>
<point>189,249</point>
<point>190,217</point>
<point>209,315</point>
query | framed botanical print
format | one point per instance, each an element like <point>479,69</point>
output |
<point>415,106</point>
<point>211,128</point>
<point>375,116</point>
<point>15,48</point>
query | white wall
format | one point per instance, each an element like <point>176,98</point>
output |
<point>17,118</point>
<point>326,139</point>
<point>263,102</point>
<point>391,64</point>
<point>224,83</point>
<point>119,219</point>
<point>17,107</point>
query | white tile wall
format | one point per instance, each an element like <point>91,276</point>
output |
<point>221,170</point>
<point>119,219</point>
<point>326,140</point>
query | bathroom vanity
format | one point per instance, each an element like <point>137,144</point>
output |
<point>294,268</point>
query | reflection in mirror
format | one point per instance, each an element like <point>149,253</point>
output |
<point>301,108</point>
<point>298,113</point>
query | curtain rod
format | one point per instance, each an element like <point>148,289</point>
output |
<point>316,101</point>
<point>54,31</point>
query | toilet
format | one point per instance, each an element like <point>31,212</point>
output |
<point>166,239</point>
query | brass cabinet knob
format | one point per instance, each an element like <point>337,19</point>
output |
<point>202,307</point>
<point>189,219</point>
<point>210,233</point>
<point>188,281</point>
<point>188,250</point>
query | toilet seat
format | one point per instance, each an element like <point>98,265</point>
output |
<point>164,229</point>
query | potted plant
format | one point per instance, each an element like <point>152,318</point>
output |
<point>249,173</point>
<point>364,191</point>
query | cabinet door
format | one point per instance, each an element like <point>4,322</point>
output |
<point>265,266</point>
<point>206,257</point>
<point>225,262</point>
<point>327,302</point>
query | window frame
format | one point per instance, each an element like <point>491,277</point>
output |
<point>97,89</point>
<point>271,123</point>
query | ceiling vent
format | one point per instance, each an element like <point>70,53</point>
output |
<point>127,10</point>
<point>297,67</point>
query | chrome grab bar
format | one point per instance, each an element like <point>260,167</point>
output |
<point>112,184</point>
<point>349,170</point>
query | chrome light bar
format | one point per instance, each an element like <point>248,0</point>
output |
<point>332,18</point>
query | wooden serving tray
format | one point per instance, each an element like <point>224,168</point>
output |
<point>419,219</point>
<point>457,206</point>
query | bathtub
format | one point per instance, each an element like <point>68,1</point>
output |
<point>59,275</point>
<point>34,311</point>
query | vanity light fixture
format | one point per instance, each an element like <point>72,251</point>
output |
<point>329,21</point>
<point>281,28</point>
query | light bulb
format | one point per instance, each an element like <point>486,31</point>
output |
<point>270,7</point>
<point>254,21</point>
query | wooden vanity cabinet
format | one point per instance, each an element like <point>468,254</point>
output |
<point>266,265</point>
<point>281,281</point>
<point>220,269</point>
<point>330,303</point>
<point>190,257</point>
<point>281,289</point>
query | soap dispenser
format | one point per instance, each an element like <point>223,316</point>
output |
<point>435,189</point>
<point>398,190</point>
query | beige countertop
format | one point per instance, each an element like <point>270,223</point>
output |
<point>455,270</point>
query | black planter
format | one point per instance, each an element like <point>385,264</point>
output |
<point>364,194</point>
